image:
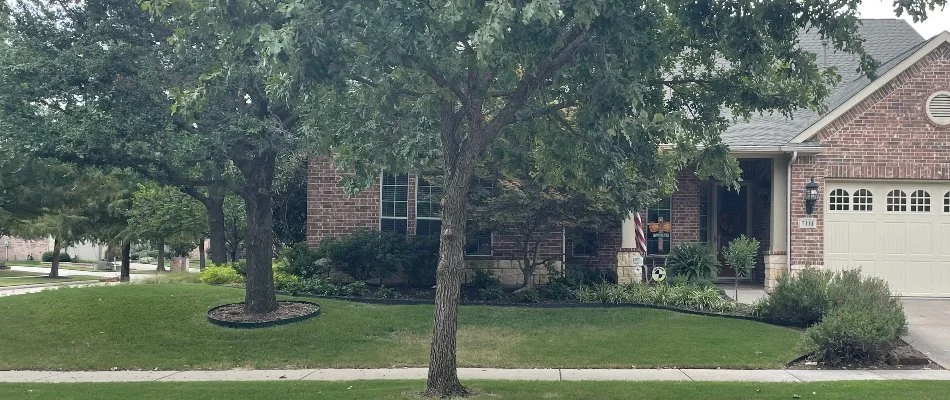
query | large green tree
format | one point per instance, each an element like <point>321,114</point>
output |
<point>620,77</point>
<point>162,213</point>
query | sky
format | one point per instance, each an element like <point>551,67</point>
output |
<point>937,21</point>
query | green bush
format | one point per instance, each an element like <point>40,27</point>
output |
<point>799,300</point>
<point>283,279</point>
<point>484,279</point>
<point>384,292</point>
<point>303,262</point>
<point>695,262</point>
<point>422,260</point>
<point>558,291</point>
<point>862,322</point>
<point>688,296</point>
<point>495,293</point>
<point>574,276</point>
<point>365,254</point>
<point>219,275</point>
<point>740,255</point>
<point>529,296</point>
<point>63,257</point>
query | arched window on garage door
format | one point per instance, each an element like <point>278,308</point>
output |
<point>920,201</point>
<point>946,203</point>
<point>838,200</point>
<point>863,200</point>
<point>896,200</point>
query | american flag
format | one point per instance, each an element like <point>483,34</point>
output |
<point>641,238</point>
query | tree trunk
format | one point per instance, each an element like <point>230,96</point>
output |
<point>160,259</point>
<point>216,229</point>
<point>443,378</point>
<point>54,266</point>
<point>201,254</point>
<point>259,296</point>
<point>124,275</point>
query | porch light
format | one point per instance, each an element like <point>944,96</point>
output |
<point>811,196</point>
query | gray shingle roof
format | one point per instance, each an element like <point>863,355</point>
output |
<point>889,41</point>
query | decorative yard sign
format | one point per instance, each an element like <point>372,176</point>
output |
<point>659,274</point>
<point>660,230</point>
<point>808,223</point>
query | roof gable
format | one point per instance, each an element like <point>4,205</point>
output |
<point>856,92</point>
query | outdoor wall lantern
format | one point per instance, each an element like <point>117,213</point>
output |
<point>811,196</point>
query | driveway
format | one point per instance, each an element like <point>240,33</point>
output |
<point>928,325</point>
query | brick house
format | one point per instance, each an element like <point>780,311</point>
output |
<point>879,159</point>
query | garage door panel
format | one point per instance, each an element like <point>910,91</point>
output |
<point>892,238</point>
<point>910,249</point>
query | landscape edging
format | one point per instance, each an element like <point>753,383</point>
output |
<point>265,324</point>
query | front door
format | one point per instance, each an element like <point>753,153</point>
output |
<point>732,219</point>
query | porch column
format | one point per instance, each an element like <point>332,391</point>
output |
<point>629,261</point>
<point>776,256</point>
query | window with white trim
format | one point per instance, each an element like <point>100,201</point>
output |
<point>428,214</point>
<point>838,200</point>
<point>946,203</point>
<point>896,201</point>
<point>920,201</point>
<point>395,203</point>
<point>863,200</point>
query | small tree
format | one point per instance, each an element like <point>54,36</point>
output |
<point>740,256</point>
<point>159,213</point>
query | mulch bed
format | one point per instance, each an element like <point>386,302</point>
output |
<point>233,315</point>
<point>904,356</point>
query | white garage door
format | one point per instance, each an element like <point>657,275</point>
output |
<point>896,230</point>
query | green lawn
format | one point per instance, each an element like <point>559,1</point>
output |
<point>19,278</point>
<point>164,326</point>
<point>482,390</point>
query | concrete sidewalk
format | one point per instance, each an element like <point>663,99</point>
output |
<point>707,375</point>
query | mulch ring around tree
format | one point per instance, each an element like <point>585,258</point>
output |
<point>233,315</point>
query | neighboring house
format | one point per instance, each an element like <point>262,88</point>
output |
<point>16,248</point>
<point>880,159</point>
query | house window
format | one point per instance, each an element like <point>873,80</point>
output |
<point>920,201</point>
<point>478,244</point>
<point>583,243</point>
<point>896,201</point>
<point>659,227</point>
<point>428,217</point>
<point>704,214</point>
<point>946,203</point>
<point>838,200</point>
<point>863,200</point>
<point>395,203</point>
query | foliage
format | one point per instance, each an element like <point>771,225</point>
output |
<point>695,262</point>
<point>740,255</point>
<point>164,212</point>
<point>688,296</point>
<point>422,259</point>
<point>220,275</point>
<point>484,279</point>
<point>303,262</point>
<point>63,256</point>
<point>799,300</point>
<point>325,287</point>
<point>283,279</point>
<point>491,294</point>
<point>862,324</point>
<point>575,276</point>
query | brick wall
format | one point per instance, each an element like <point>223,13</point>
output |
<point>886,136</point>
<point>685,208</point>
<point>21,249</point>
<point>330,212</point>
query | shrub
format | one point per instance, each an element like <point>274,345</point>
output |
<point>354,289</point>
<point>283,279</point>
<point>484,279</point>
<point>422,260</point>
<point>558,291</point>
<point>740,255</point>
<point>219,275</point>
<point>384,292</point>
<point>303,262</point>
<point>529,296</point>
<point>695,262</point>
<point>366,254</point>
<point>862,322</point>
<point>63,257</point>
<point>491,294</point>
<point>798,300</point>
<point>575,276</point>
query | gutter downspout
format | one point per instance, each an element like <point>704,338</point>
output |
<point>788,210</point>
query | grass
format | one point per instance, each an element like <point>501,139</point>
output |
<point>164,326</point>
<point>918,390</point>
<point>19,278</point>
